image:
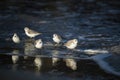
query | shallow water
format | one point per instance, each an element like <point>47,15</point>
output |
<point>95,23</point>
<point>26,68</point>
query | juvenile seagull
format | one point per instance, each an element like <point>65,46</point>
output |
<point>38,44</point>
<point>71,44</point>
<point>56,38</point>
<point>16,38</point>
<point>31,33</point>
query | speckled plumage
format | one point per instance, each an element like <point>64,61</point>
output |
<point>31,33</point>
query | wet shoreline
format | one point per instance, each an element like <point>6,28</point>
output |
<point>95,23</point>
<point>28,67</point>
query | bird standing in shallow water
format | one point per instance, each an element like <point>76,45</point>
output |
<point>71,44</point>
<point>38,44</point>
<point>16,38</point>
<point>31,33</point>
<point>57,38</point>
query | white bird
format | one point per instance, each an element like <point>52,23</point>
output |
<point>16,38</point>
<point>71,44</point>
<point>31,33</point>
<point>56,38</point>
<point>38,44</point>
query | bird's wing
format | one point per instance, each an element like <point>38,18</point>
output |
<point>68,43</point>
<point>59,37</point>
<point>32,31</point>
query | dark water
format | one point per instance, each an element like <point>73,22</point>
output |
<point>95,23</point>
<point>26,69</point>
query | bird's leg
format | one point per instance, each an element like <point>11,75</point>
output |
<point>69,51</point>
<point>56,44</point>
<point>72,51</point>
<point>40,51</point>
<point>32,39</point>
<point>61,44</point>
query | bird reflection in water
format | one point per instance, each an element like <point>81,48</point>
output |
<point>55,53</point>
<point>38,63</point>
<point>15,56</point>
<point>71,63</point>
<point>29,48</point>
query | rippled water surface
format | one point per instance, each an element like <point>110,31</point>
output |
<point>95,23</point>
